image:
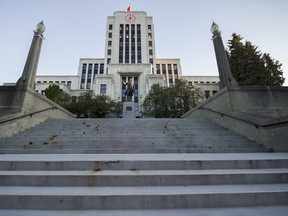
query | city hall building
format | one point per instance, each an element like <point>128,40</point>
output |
<point>129,53</point>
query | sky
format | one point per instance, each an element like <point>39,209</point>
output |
<point>76,29</point>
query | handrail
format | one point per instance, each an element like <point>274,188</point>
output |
<point>246,121</point>
<point>29,114</point>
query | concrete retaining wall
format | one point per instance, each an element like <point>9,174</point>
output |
<point>249,111</point>
<point>16,102</point>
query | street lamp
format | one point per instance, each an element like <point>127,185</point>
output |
<point>40,27</point>
<point>214,28</point>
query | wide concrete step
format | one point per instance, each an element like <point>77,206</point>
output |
<point>240,211</point>
<point>192,161</point>
<point>132,151</point>
<point>56,198</point>
<point>144,177</point>
<point>119,144</point>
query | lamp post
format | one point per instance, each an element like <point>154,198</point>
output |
<point>30,68</point>
<point>225,75</point>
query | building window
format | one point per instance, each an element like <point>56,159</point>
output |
<point>149,27</point>
<point>133,45</point>
<point>150,43</point>
<point>163,68</point>
<point>110,35</point>
<point>108,60</point>
<point>38,81</point>
<point>158,68</point>
<point>109,52</point>
<point>127,45</point>
<point>190,84</point>
<point>175,68</point>
<point>101,68</point>
<point>149,35</point>
<point>214,92</point>
<point>121,45</point>
<point>103,88</point>
<point>110,27</point>
<point>169,69</point>
<point>95,69</point>
<point>139,49</point>
<point>109,43</point>
<point>63,82</point>
<point>69,83</point>
<point>150,52</point>
<point>151,61</point>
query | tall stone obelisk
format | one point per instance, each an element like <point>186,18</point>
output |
<point>225,75</point>
<point>28,76</point>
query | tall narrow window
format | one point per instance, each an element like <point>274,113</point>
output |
<point>101,68</point>
<point>163,68</point>
<point>127,43</point>
<point>133,47</point>
<point>110,35</point>
<point>158,68</point>
<point>89,76</point>
<point>110,27</point>
<point>121,46</point>
<point>83,77</point>
<point>139,51</point>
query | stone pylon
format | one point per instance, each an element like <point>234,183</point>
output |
<point>28,76</point>
<point>225,75</point>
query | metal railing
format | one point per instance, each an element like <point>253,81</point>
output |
<point>245,120</point>
<point>28,114</point>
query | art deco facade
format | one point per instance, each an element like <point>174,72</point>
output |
<point>129,53</point>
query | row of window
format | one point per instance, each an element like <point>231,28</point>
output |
<point>165,68</point>
<point>68,83</point>
<point>202,82</point>
<point>89,75</point>
<point>133,32</point>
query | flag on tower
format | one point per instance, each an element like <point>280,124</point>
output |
<point>128,8</point>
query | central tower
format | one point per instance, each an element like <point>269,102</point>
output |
<point>130,39</point>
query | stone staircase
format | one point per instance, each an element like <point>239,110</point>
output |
<point>139,167</point>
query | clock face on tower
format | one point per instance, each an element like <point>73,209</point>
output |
<point>130,18</point>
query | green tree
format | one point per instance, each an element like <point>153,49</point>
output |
<point>52,92</point>
<point>87,105</point>
<point>250,67</point>
<point>171,102</point>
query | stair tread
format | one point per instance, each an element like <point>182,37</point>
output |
<point>145,157</point>
<point>240,211</point>
<point>142,190</point>
<point>141,172</point>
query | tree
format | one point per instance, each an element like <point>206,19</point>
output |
<point>52,92</point>
<point>171,102</point>
<point>250,67</point>
<point>87,105</point>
